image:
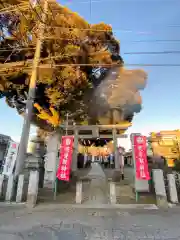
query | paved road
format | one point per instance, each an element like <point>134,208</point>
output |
<point>80,224</point>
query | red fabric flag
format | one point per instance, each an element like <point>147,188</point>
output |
<point>66,151</point>
<point>140,156</point>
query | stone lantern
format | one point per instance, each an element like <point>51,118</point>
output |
<point>35,157</point>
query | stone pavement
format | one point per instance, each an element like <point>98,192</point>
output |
<point>98,187</point>
<point>42,223</point>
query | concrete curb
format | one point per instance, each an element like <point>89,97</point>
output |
<point>89,206</point>
<point>101,206</point>
<point>86,206</point>
<point>4,204</point>
<point>173,205</point>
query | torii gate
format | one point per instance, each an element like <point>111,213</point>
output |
<point>81,132</point>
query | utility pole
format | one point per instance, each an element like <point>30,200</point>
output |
<point>67,123</point>
<point>31,95</point>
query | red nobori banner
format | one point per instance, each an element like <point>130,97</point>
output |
<point>140,156</point>
<point>66,151</point>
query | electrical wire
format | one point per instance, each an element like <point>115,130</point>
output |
<point>110,30</point>
<point>80,29</point>
<point>6,70</point>
<point>101,30</point>
<point>111,65</point>
<point>152,41</point>
<point>14,8</point>
<point>153,53</point>
<point>103,1</point>
<point>17,49</point>
<point>106,41</point>
<point>89,29</point>
<point>19,6</point>
<point>92,54</point>
<point>124,42</point>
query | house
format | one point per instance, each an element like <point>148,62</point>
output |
<point>4,144</point>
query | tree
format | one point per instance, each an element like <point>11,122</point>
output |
<point>76,58</point>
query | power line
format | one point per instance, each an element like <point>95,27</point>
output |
<point>152,65</point>
<point>151,41</point>
<point>25,6</point>
<point>128,64</point>
<point>15,8</point>
<point>102,1</point>
<point>94,54</point>
<point>5,73</point>
<point>146,53</point>
<point>124,42</point>
<point>105,30</point>
<point>105,41</point>
<point>16,49</point>
<point>112,30</point>
<point>80,29</point>
<point>97,64</point>
<point>48,66</point>
<point>108,30</point>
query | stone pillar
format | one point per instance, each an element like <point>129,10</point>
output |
<point>35,159</point>
<point>178,178</point>
<point>10,188</point>
<point>33,188</point>
<point>172,188</point>
<point>116,154</point>
<point>116,171</point>
<point>32,163</point>
<point>159,186</point>
<point>1,183</point>
<point>75,152</point>
<point>112,189</point>
<point>51,159</point>
<point>79,192</point>
<point>20,188</point>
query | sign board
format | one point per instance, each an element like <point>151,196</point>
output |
<point>66,151</point>
<point>10,158</point>
<point>140,157</point>
<point>141,183</point>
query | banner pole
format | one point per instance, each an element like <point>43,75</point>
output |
<point>56,180</point>
<point>134,162</point>
<point>55,189</point>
